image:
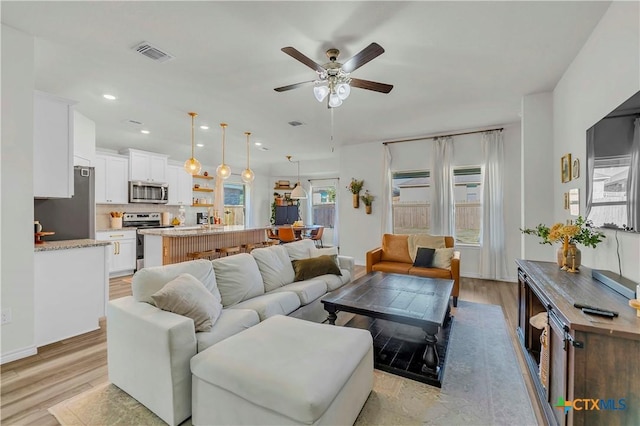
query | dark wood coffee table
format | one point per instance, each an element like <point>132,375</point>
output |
<point>405,299</point>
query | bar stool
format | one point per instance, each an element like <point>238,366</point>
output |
<point>250,246</point>
<point>207,254</point>
<point>226,251</point>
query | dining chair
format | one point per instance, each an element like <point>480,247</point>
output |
<point>316,236</point>
<point>286,234</point>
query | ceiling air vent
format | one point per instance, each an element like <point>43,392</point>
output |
<point>295,123</point>
<point>137,123</point>
<point>152,52</point>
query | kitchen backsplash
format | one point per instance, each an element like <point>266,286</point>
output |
<point>103,210</point>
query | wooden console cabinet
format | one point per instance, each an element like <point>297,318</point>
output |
<point>589,357</point>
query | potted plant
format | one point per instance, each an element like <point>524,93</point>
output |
<point>355,187</point>
<point>367,199</point>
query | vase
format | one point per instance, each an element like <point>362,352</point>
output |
<point>356,201</point>
<point>367,209</point>
<point>574,257</point>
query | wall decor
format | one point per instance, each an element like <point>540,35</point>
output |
<point>566,201</point>
<point>574,202</point>
<point>565,168</point>
<point>575,169</point>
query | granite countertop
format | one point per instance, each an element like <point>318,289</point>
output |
<point>190,231</point>
<point>68,244</point>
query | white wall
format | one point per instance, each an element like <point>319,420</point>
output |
<point>605,73</point>
<point>537,173</point>
<point>16,188</point>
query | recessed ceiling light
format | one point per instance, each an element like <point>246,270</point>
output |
<point>258,143</point>
<point>146,132</point>
<point>110,97</point>
<point>204,127</point>
<point>199,145</point>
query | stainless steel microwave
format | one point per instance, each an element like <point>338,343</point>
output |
<point>148,192</point>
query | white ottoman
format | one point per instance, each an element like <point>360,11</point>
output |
<point>283,371</point>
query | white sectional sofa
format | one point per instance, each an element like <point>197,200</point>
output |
<point>149,349</point>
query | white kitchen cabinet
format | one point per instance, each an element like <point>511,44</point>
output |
<point>122,256</point>
<point>52,146</point>
<point>180,186</point>
<point>147,166</point>
<point>112,186</point>
<point>71,289</point>
<point>84,140</point>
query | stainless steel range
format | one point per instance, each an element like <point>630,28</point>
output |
<point>142,221</point>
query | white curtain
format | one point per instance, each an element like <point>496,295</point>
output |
<point>443,202</point>
<point>591,154</point>
<point>387,207</point>
<point>336,217</point>
<point>633,180</point>
<point>493,263</point>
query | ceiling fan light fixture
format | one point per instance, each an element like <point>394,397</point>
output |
<point>192,166</point>
<point>247,174</point>
<point>343,90</point>
<point>223,171</point>
<point>334,100</point>
<point>320,92</point>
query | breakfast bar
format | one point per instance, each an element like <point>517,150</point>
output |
<point>166,246</point>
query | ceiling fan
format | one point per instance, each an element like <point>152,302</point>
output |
<point>334,80</point>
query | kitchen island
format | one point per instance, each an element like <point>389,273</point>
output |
<point>165,246</point>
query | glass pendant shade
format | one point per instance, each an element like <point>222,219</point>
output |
<point>223,171</point>
<point>343,91</point>
<point>192,166</point>
<point>247,174</point>
<point>334,100</point>
<point>320,92</point>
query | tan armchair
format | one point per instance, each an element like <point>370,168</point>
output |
<point>394,257</point>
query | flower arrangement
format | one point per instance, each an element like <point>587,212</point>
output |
<point>581,232</point>
<point>355,186</point>
<point>367,198</point>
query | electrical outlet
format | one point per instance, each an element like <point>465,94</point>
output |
<point>5,316</point>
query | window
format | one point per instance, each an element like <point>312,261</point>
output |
<point>323,203</point>
<point>234,203</point>
<point>467,191</point>
<point>411,192</point>
<point>609,202</point>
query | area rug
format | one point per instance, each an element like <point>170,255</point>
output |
<point>483,385</point>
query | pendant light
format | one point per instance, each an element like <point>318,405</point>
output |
<point>247,174</point>
<point>192,166</point>
<point>223,171</point>
<point>298,192</point>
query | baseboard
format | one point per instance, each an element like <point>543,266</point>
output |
<point>18,354</point>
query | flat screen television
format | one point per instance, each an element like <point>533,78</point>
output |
<point>613,168</point>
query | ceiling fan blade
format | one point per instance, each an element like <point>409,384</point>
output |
<point>371,85</point>
<point>293,86</point>
<point>370,52</point>
<point>295,54</point>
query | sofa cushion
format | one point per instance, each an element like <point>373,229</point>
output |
<point>274,303</point>
<point>393,267</point>
<point>395,248</point>
<point>424,240</point>
<point>315,266</point>
<point>238,278</point>
<point>442,258</point>
<point>430,272</point>
<point>424,257</point>
<point>148,281</point>
<point>230,322</point>
<point>299,249</point>
<point>187,296</point>
<point>335,281</point>
<point>274,265</point>
<point>307,291</point>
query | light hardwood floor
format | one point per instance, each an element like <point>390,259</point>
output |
<point>28,387</point>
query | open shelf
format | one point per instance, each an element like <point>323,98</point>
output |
<point>203,177</point>
<point>201,205</point>
<point>203,189</point>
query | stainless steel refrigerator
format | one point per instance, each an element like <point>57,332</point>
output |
<point>70,218</point>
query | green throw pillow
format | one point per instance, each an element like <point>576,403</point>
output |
<point>315,266</point>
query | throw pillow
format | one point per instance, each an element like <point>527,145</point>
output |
<point>424,240</point>
<point>330,251</point>
<point>314,267</point>
<point>424,257</point>
<point>187,296</point>
<point>442,258</point>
